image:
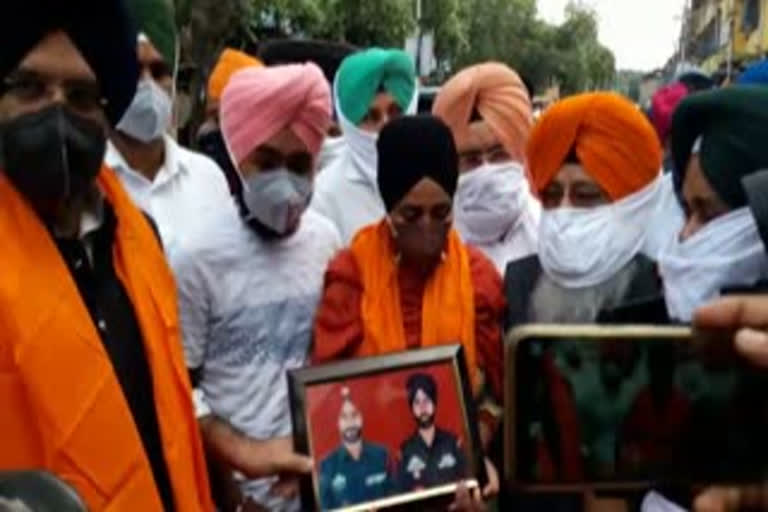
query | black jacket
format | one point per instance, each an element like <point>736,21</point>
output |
<point>645,291</point>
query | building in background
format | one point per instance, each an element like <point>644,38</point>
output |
<point>723,36</point>
<point>649,84</point>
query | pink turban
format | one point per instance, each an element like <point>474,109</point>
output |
<point>259,102</point>
<point>663,105</point>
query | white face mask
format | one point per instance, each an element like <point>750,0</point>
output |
<point>726,252</point>
<point>149,115</point>
<point>362,143</point>
<point>581,247</point>
<point>489,201</point>
<point>277,198</point>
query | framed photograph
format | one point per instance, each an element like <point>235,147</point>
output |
<point>395,432</point>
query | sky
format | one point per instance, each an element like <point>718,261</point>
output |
<point>642,34</point>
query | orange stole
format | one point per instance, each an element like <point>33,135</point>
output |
<point>448,311</point>
<point>63,408</point>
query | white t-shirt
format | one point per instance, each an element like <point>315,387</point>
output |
<point>188,186</point>
<point>247,311</point>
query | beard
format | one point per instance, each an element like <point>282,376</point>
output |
<point>425,421</point>
<point>551,303</point>
<point>352,435</point>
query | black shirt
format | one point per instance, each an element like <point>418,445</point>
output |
<point>423,467</point>
<point>112,313</point>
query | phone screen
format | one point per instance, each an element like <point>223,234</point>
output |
<point>627,410</point>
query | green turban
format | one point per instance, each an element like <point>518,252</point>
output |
<point>155,18</point>
<point>733,126</point>
<point>362,75</point>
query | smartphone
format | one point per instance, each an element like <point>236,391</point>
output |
<point>623,407</point>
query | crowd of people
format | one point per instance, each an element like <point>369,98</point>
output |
<point>153,298</point>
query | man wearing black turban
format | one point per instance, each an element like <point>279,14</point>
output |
<point>431,456</point>
<point>102,32</point>
<point>417,177</point>
<point>408,281</point>
<point>89,338</point>
<point>718,138</point>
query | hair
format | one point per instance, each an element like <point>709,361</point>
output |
<point>423,382</point>
<point>327,55</point>
<point>573,157</point>
<point>475,116</point>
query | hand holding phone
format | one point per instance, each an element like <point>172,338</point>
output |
<point>619,407</point>
<point>747,316</point>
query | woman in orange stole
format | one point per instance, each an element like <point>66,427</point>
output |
<point>409,281</point>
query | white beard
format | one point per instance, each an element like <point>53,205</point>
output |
<point>552,303</point>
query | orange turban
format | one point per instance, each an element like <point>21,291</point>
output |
<point>501,99</point>
<point>612,138</point>
<point>230,62</point>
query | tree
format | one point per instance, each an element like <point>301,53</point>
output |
<point>496,30</point>
<point>445,18</point>
<point>466,32</point>
<point>508,31</point>
<point>586,64</point>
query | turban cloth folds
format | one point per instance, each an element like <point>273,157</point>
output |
<point>613,140</point>
<point>499,96</point>
<point>260,102</point>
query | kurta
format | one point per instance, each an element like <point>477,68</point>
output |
<point>339,325</point>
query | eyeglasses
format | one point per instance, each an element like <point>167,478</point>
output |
<point>469,160</point>
<point>82,96</point>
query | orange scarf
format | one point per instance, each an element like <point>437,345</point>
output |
<point>63,408</point>
<point>448,312</point>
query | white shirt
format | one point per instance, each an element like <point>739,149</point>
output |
<point>247,312</point>
<point>347,197</point>
<point>188,186</point>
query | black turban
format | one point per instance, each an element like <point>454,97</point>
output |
<point>733,126</point>
<point>412,148</point>
<point>327,55</point>
<point>101,29</point>
<point>756,186</point>
<point>423,382</point>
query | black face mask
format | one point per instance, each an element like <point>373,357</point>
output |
<point>51,156</point>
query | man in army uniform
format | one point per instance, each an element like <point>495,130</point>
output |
<point>431,456</point>
<point>357,471</point>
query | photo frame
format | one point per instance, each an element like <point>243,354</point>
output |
<point>394,432</point>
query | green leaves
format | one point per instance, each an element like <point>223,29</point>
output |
<point>466,32</point>
<point>569,54</point>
